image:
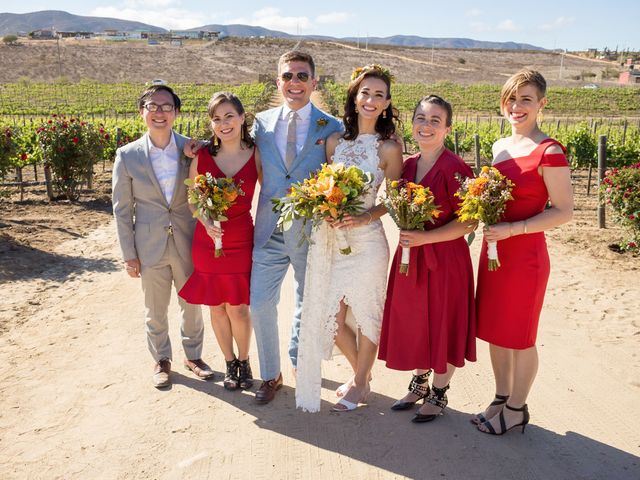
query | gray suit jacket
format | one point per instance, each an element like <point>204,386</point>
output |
<point>141,210</point>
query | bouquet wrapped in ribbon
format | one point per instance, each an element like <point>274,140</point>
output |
<point>484,198</point>
<point>212,197</point>
<point>410,205</point>
<point>332,192</point>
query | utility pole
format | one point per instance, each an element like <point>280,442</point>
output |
<point>433,44</point>
<point>366,42</point>
<point>562,63</point>
<point>59,57</point>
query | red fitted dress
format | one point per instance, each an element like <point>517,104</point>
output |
<point>224,279</point>
<point>429,315</point>
<point>509,299</point>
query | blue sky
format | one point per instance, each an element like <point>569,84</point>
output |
<point>573,24</point>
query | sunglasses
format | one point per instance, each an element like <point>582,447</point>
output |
<point>288,76</point>
<point>165,107</point>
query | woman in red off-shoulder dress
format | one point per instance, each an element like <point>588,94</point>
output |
<point>509,299</point>
<point>223,282</point>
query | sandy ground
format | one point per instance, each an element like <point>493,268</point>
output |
<point>77,399</point>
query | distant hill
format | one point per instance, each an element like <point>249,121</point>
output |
<point>64,21</point>
<point>26,22</point>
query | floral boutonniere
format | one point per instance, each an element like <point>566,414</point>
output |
<point>321,122</point>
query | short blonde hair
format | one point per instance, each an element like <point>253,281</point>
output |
<point>523,77</point>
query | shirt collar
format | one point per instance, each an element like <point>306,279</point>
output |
<point>171,146</point>
<point>304,113</point>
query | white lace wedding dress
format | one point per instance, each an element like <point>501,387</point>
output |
<point>358,278</point>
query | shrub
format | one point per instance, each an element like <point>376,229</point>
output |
<point>621,189</point>
<point>10,39</point>
<point>70,147</point>
<point>7,149</point>
<point>582,148</point>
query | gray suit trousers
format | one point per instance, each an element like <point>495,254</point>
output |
<point>156,285</point>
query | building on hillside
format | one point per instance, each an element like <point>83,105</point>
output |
<point>630,77</point>
<point>75,34</point>
<point>193,35</point>
<point>43,34</point>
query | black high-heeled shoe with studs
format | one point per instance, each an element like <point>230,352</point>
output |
<point>245,376</point>
<point>231,376</point>
<point>419,386</point>
<point>437,398</point>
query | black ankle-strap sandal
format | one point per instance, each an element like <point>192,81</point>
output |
<point>245,376</point>
<point>503,425</point>
<point>500,400</point>
<point>437,398</point>
<point>231,376</point>
<point>419,386</point>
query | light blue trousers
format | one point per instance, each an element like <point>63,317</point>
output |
<point>270,265</point>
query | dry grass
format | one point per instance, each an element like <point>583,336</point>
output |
<point>237,60</point>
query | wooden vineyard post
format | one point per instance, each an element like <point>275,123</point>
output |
<point>20,182</point>
<point>476,141</point>
<point>47,180</point>
<point>602,166</point>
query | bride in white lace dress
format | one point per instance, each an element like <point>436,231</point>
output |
<point>338,284</point>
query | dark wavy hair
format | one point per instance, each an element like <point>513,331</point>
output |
<point>218,99</point>
<point>386,123</point>
<point>149,91</point>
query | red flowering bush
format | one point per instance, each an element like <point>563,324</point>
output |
<point>70,147</point>
<point>621,189</point>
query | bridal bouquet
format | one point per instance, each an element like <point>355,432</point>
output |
<point>212,198</point>
<point>332,192</point>
<point>410,205</point>
<point>484,198</point>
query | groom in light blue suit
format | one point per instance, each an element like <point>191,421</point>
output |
<point>291,139</point>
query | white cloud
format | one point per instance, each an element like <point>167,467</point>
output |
<point>474,12</point>
<point>508,26</point>
<point>169,18</point>
<point>333,18</point>
<point>151,3</point>
<point>479,27</point>
<point>558,23</point>
<point>271,18</point>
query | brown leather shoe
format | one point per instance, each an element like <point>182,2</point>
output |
<point>268,389</point>
<point>201,369</point>
<point>161,374</point>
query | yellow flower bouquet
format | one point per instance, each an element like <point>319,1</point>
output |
<point>332,192</point>
<point>484,198</point>
<point>410,205</point>
<point>212,197</point>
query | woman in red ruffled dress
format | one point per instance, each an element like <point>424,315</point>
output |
<point>509,299</point>
<point>429,315</point>
<point>223,282</point>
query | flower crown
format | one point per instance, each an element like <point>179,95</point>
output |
<point>374,67</point>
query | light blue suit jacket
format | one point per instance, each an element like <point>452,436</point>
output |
<point>276,179</point>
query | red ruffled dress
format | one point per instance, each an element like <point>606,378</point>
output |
<point>509,299</point>
<point>429,315</point>
<point>224,279</point>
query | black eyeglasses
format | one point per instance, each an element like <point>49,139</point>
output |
<point>288,76</point>
<point>154,107</point>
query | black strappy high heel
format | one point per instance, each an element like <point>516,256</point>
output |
<point>419,386</point>
<point>231,376</point>
<point>500,400</point>
<point>437,398</point>
<point>245,376</point>
<point>503,425</point>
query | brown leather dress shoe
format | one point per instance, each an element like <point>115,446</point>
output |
<point>201,369</point>
<point>161,374</point>
<point>268,389</point>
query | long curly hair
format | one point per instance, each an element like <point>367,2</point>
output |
<point>386,123</point>
<point>218,99</point>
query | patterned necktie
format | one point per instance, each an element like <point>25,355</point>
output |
<point>291,140</point>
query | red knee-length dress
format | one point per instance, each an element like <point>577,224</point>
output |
<point>429,315</point>
<point>509,299</point>
<point>224,279</point>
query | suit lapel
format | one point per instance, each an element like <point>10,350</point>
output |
<point>182,171</point>
<point>313,134</point>
<point>270,132</point>
<point>143,153</point>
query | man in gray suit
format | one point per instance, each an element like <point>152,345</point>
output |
<point>155,228</point>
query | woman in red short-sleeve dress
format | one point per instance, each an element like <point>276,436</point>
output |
<point>223,282</point>
<point>510,298</point>
<point>429,314</point>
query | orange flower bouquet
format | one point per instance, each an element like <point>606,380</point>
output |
<point>410,205</point>
<point>332,192</point>
<point>485,198</point>
<point>212,197</point>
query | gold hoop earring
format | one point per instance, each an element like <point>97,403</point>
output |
<point>384,114</point>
